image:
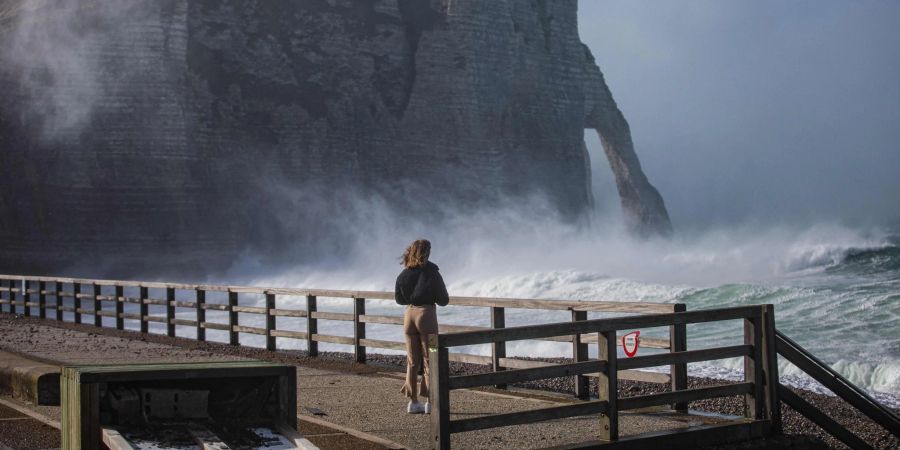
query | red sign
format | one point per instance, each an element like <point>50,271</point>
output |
<point>631,342</point>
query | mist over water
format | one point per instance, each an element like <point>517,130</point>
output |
<point>834,287</point>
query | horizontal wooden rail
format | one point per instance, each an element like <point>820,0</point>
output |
<point>521,375</point>
<point>595,325</point>
<point>832,380</point>
<point>687,395</point>
<point>709,354</point>
<point>530,416</point>
<point>821,419</point>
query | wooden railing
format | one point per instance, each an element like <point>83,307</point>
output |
<point>88,298</point>
<point>758,387</point>
<point>840,386</point>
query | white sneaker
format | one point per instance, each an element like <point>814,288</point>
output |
<point>415,408</point>
<point>427,407</point>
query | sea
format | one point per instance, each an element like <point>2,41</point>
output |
<point>835,288</point>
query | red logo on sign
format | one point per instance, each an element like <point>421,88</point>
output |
<point>630,343</point>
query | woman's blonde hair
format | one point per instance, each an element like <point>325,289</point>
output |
<point>416,255</point>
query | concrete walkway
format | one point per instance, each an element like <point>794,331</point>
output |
<point>358,404</point>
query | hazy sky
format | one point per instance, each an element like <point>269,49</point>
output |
<point>763,110</point>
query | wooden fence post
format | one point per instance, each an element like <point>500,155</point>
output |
<point>312,326</point>
<point>76,292</point>
<point>42,299</point>
<point>270,322</point>
<point>678,371</point>
<point>359,329</point>
<point>201,315</point>
<point>98,307</point>
<point>233,337</point>
<point>770,368</point>
<point>498,349</point>
<point>26,297</point>
<point>59,300</point>
<point>579,354</point>
<point>120,307</point>
<point>5,289</point>
<point>144,309</point>
<point>170,312</point>
<point>439,361</point>
<point>607,385</point>
<point>12,297</point>
<point>753,402</point>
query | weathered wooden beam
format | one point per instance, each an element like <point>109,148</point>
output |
<point>270,322</point>
<point>522,375</point>
<point>529,416</point>
<point>440,394</point>
<point>708,354</point>
<point>312,326</point>
<point>498,349</point>
<point>687,395</point>
<point>821,419</point>
<point>200,297</point>
<point>579,354</point>
<point>595,325</point>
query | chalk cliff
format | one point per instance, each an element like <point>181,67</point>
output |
<point>187,128</point>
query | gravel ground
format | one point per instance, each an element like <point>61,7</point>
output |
<point>794,423</point>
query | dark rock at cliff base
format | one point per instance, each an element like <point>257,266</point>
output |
<point>193,131</point>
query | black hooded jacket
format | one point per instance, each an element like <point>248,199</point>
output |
<point>421,286</point>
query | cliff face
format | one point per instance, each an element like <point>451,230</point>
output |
<point>178,126</point>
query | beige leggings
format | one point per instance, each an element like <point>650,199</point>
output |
<point>418,323</point>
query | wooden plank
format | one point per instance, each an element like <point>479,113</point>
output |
<point>647,377</point>
<point>233,337</point>
<point>770,369</point>
<point>248,330</point>
<point>832,380</point>
<point>157,319</point>
<point>289,334</point>
<point>144,309</point>
<point>388,320</point>
<point>215,326</point>
<point>114,440</point>
<point>498,349</point>
<point>289,312</point>
<point>200,311</point>
<point>42,299</point>
<point>333,339</point>
<point>607,385</point>
<point>580,353</point>
<point>819,418</point>
<point>375,343</point>
<point>359,330</point>
<point>687,395</point>
<point>529,416</point>
<point>215,307</point>
<point>270,322</point>
<point>120,308</point>
<point>155,301</point>
<point>296,439</point>
<point>345,317</point>
<point>183,304</point>
<point>76,292</point>
<point>708,354</point>
<point>562,305</point>
<point>98,306</point>
<point>589,326</point>
<point>753,401</point>
<point>26,297</point>
<point>183,322</point>
<point>312,326</point>
<point>521,375</point>
<point>130,316</point>
<point>58,301</point>
<point>249,309</point>
<point>470,359</point>
<point>440,394</point>
<point>678,370</point>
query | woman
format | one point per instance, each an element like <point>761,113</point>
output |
<point>421,287</point>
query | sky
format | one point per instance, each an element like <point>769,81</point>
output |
<point>755,111</point>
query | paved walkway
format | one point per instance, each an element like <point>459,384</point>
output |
<point>368,403</point>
